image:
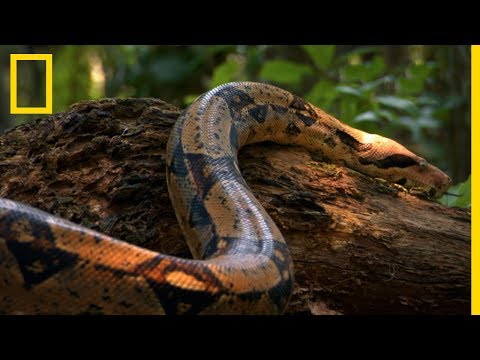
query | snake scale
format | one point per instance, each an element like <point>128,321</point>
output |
<point>241,262</point>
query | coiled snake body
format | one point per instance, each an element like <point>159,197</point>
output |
<point>241,262</point>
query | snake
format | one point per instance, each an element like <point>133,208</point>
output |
<point>240,262</point>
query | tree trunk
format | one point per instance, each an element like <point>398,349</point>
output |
<point>395,56</point>
<point>359,246</point>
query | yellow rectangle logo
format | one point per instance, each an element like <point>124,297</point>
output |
<point>14,109</point>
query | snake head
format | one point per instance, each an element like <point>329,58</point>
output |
<point>425,177</point>
<point>387,159</point>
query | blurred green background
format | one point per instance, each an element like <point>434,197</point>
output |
<point>418,95</point>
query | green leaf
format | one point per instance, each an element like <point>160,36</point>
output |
<point>354,72</point>
<point>429,99</point>
<point>284,72</point>
<point>348,109</point>
<point>364,72</point>
<point>410,86</point>
<point>461,195</point>
<point>321,55</point>
<point>426,119</point>
<point>412,125</point>
<point>188,99</point>
<point>376,67</point>
<point>428,122</point>
<point>413,84</point>
<point>349,90</point>
<point>421,71</point>
<point>397,103</point>
<point>366,116</point>
<point>225,72</point>
<point>372,85</point>
<point>386,114</point>
<point>322,94</point>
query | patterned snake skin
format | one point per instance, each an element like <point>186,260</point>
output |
<point>241,262</point>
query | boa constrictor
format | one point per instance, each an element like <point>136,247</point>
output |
<point>241,262</point>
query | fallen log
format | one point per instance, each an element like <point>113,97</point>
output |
<point>359,246</point>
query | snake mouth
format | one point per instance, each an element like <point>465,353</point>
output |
<point>423,178</point>
<point>417,186</point>
<point>428,179</point>
<point>433,188</point>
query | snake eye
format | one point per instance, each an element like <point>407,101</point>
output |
<point>432,192</point>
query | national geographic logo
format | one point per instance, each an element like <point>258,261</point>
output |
<point>14,109</point>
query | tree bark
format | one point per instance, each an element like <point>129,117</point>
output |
<point>359,245</point>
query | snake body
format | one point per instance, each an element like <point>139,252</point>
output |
<point>241,262</point>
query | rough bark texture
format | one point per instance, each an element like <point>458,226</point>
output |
<point>359,246</point>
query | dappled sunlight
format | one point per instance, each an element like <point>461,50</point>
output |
<point>97,77</point>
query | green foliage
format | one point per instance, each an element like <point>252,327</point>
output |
<point>284,72</point>
<point>225,72</point>
<point>395,102</point>
<point>459,195</point>
<point>408,100</point>
<point>415,77</point>
<point>363,72</point>
<point>321,56</point>
<point>68,85</point>
<point>323,92</point>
